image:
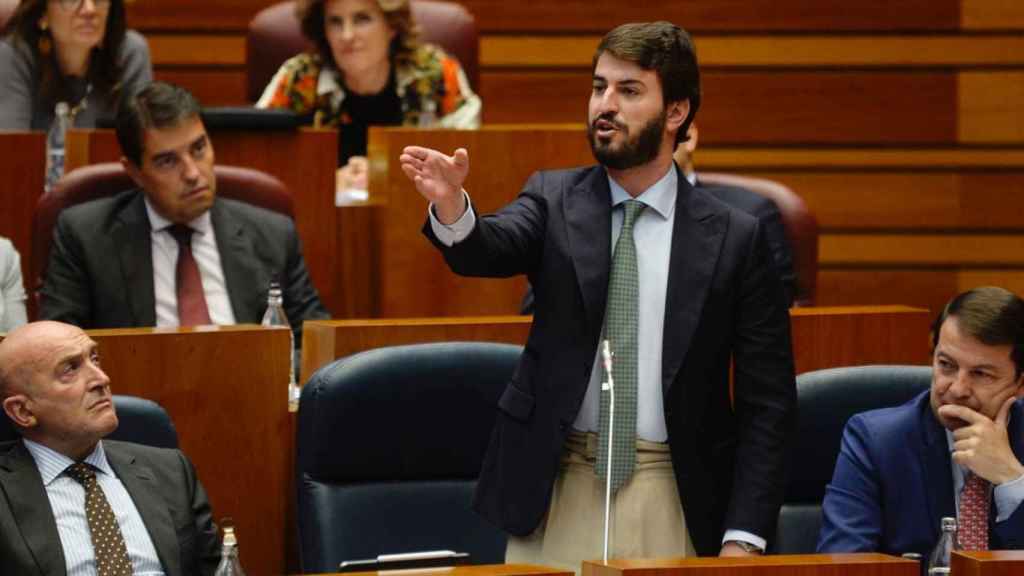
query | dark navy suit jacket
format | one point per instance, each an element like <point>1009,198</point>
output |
<point>893,484</point>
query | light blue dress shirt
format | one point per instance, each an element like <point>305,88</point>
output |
<point>67,501</point>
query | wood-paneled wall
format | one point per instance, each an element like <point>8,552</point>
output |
<point>900,121</point>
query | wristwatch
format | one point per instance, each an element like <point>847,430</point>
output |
<point>747,546</point>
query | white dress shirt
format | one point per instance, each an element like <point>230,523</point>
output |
<point>165,261</point>
<point>67,501</point>
<point>1007,496</point>
<point>12,290</point>
<point>652,234</point>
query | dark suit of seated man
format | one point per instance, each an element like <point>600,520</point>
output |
<point>115,261</point>
<point>71,503</point>
<point>954,451</point>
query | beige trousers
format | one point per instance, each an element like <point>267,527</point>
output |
<point>647,519</point>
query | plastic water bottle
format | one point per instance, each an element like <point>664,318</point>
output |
<point>55,145</point>
<point>229,564</point>
<point>275,316</point>
<point>939,561</point>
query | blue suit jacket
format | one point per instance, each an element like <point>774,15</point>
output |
<point>893,484</point>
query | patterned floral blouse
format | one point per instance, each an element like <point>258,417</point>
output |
<point>432,89</point>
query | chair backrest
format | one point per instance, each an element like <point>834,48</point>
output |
<point>140,420</point>
<point>275,36</point>
<point>109,178</point>
<point>800,223</point>
<point>826,399</point>
<point>389,446</point>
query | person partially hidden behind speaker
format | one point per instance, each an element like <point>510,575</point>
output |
<point>955,450</point>
<point>171,253</point>
<point>73,503</point>
<point>678,282</point>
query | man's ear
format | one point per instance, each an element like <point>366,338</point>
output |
<point>133,171</point>
<point>676,114</point>
<point>16,408</point>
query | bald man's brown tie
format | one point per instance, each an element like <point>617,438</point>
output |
<point>107,542</point>
<point>192,310</point>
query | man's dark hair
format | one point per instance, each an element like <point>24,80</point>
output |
<point>157,105</point>
<point>993,316</point>
<point>668,50</point>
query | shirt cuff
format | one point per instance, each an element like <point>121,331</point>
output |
<point>745,537</point>
<point>457,231</point>
<point>1008,497</point>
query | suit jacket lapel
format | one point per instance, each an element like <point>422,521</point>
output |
<point>131,234</point>
<point>588,214</point>
<point>936,467</point>
<point>23,487</point>
<point>141,485</point>
<point>245,282</point>
<point>697,236</point>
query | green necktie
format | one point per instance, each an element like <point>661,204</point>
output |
<point>620,328</point>
<point>107,542</point>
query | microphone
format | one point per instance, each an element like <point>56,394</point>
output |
<point>609,386</point>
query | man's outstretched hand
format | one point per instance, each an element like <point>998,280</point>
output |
<point>438,178</point>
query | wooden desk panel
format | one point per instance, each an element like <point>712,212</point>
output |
<point>413,278</point>
<point>22,163</point>
<point>828,337</point>
<point>794,565</point>
<point>478,570</point>
<point>822,337</point>
<point>304,160</point>
<point>225,390</point>
<point>323,341</point>
<point>989,563</point>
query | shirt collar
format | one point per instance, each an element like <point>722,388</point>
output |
<point>661,196</point>
<point>52,464</point>
<point>157,222</point>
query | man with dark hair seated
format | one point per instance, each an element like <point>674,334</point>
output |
<point>954,451</point>
<point>72,503</point>
<point>171,253</point>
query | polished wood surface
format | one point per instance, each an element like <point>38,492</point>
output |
<point>828,337</point>
<point>22,164</point>
<point>822,337</point>
<point>988,563</point>
<point>413,279</point>
<point>795,565</point>
<point>225,389</point>
<point>323,341</point>
<point>304,160</point>
<point>478,570</point>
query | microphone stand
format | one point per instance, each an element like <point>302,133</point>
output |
<point>609,386</point>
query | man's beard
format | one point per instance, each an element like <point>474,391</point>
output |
<point>634,151</point>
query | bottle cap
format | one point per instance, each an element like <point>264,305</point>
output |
<point>949,524</point>
<point>229,532</point>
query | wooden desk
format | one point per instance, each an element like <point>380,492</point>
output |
<point>225,391</point>
<point>795,565</point>
<point>822,337</point>
<point>22,162</point>
<point>479,570</point>
<point>412,278</point>
<point>828,337</point>
<point>304,160</point>
<point>990,563</point>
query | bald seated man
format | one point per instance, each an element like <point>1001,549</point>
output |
<point>62,487</point>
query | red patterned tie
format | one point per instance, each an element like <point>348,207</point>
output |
<point>192,309</point>
<point>974,507</point>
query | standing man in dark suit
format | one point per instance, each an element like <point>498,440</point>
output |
<point>73,504</point>
<point>954,451</point>
<point>690,289</point>
<point>171,253</point>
